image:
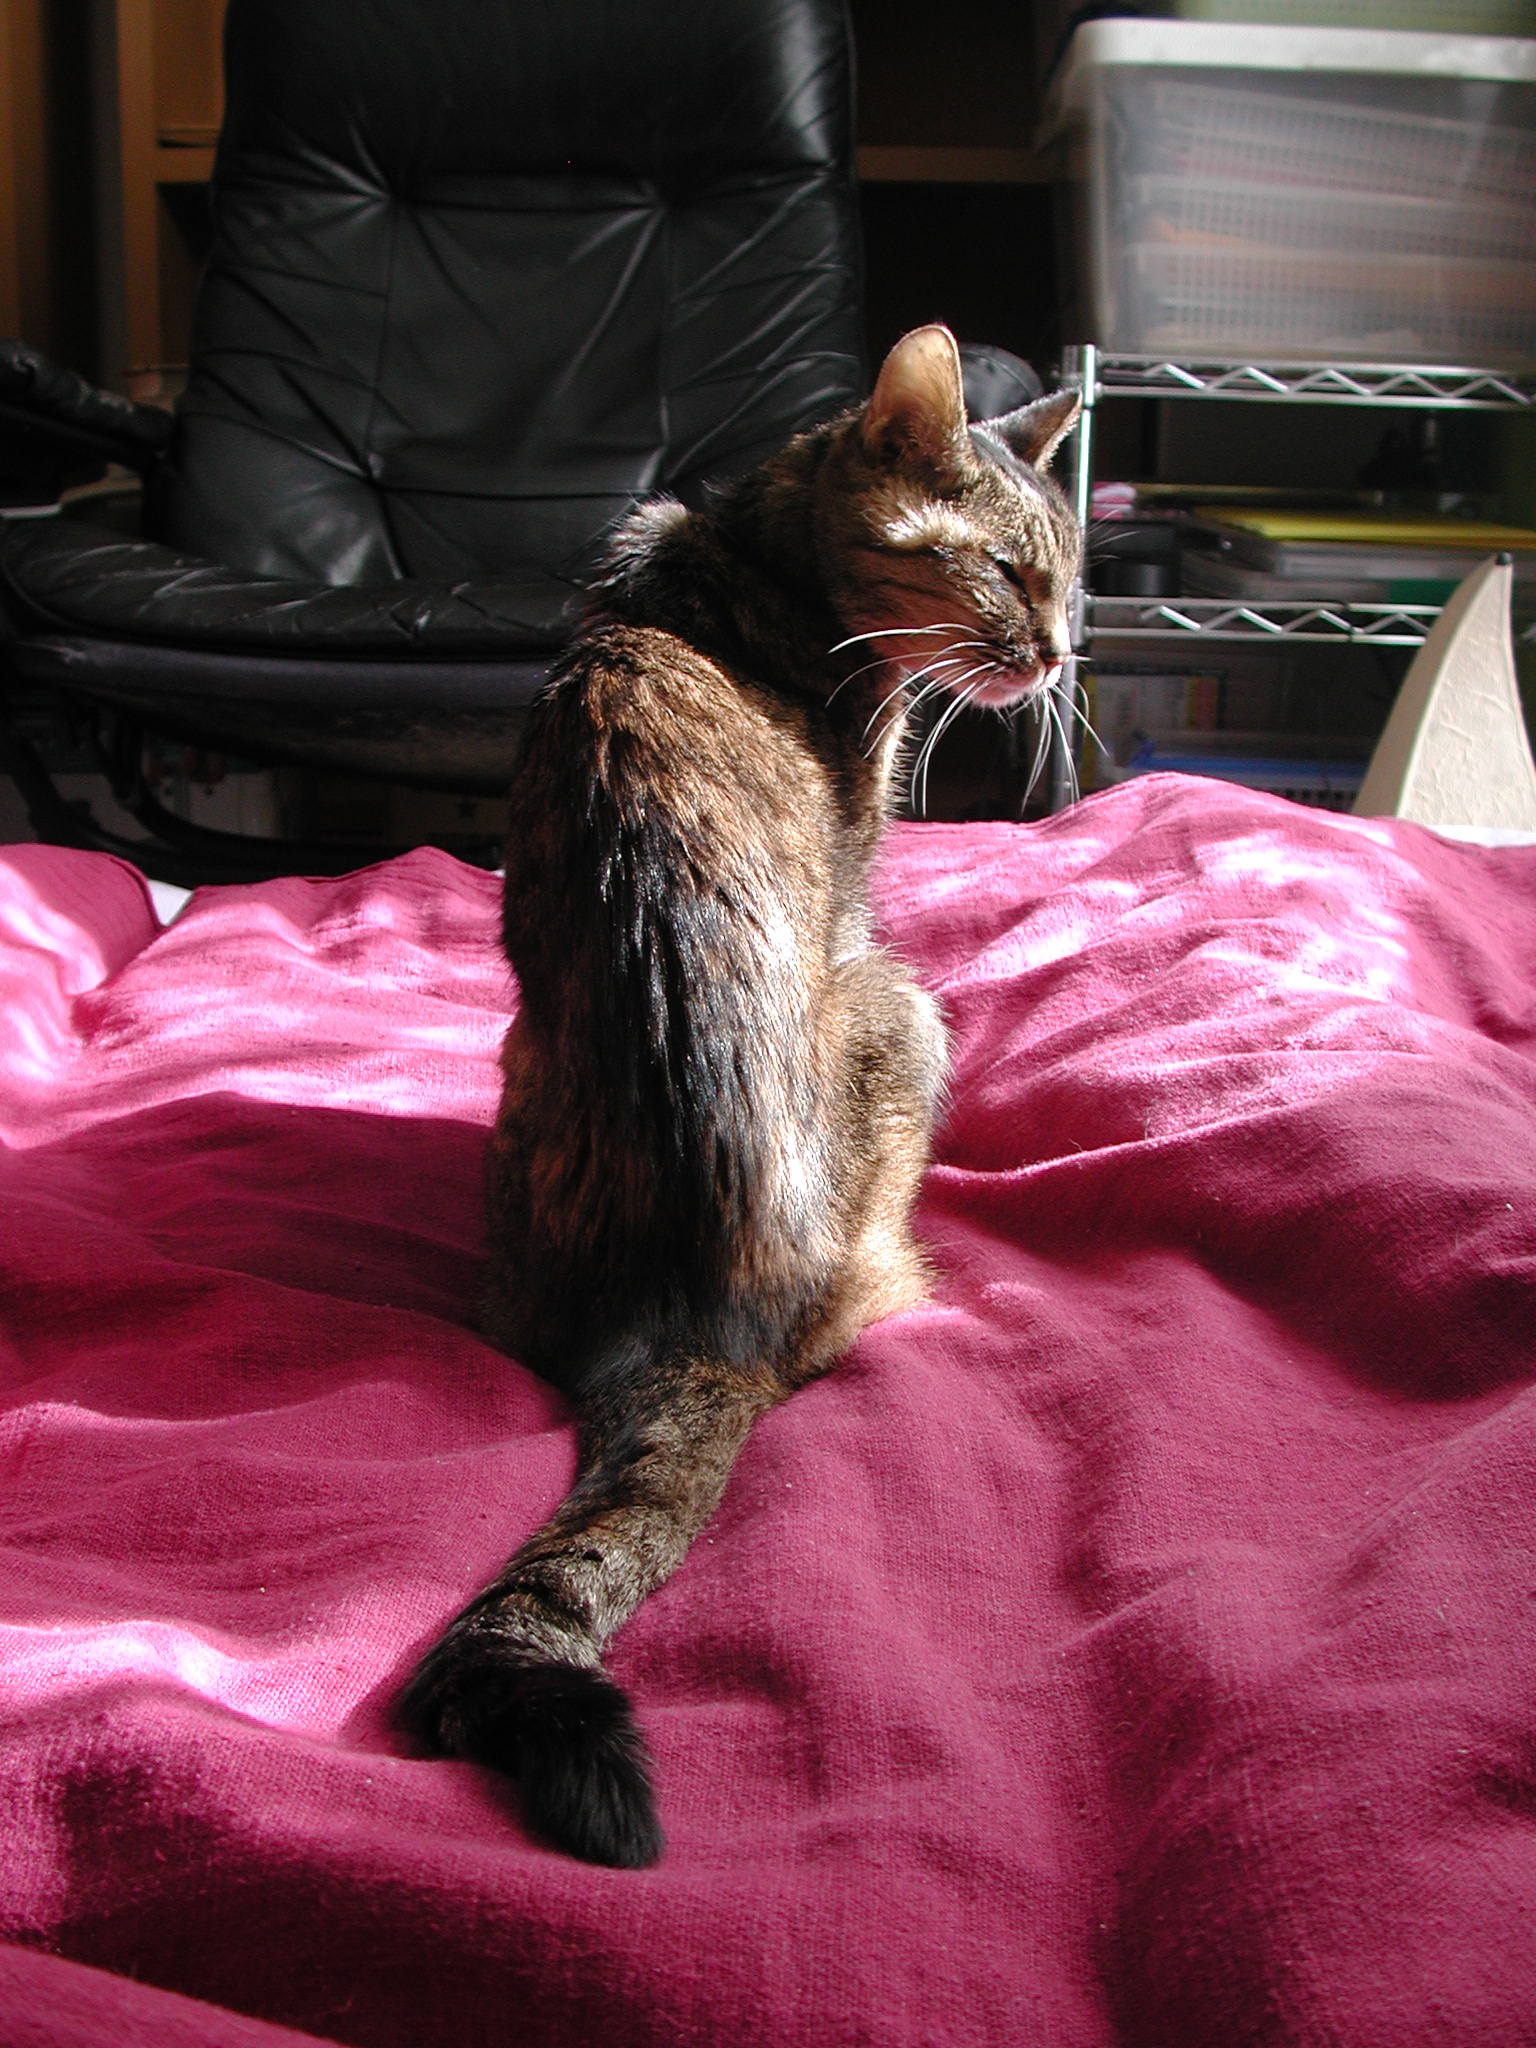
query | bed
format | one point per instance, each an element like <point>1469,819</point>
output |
<point>1135,1645</point>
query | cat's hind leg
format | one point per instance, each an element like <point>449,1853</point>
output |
<point>517,1680</point>
<point>892,1072</point>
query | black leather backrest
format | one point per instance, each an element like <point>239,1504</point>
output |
<point>486,270</point>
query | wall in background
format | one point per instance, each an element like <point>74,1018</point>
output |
<point>47,240</point>
<point>958,218</point>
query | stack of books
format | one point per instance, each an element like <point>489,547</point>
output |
<point>1259,553</point>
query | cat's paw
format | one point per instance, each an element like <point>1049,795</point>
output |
<point>566,1735</point>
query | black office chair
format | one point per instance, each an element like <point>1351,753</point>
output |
<point>484,272</point>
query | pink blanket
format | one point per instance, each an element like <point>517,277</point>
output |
<point>1137,1645</point>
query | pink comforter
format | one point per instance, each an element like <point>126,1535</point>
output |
<point>1136,1645</point>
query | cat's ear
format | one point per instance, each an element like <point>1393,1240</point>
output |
<point>917,407</point>
<point>1036,431</point>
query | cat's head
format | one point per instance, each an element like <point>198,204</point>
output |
<point>949,541</point>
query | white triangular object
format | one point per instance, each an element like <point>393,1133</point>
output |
<point>1455,751</point>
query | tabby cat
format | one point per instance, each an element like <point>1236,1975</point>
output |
<point>719,1090</point>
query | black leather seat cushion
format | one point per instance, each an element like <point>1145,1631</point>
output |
<point>411,680</point>
<point>484,271</point>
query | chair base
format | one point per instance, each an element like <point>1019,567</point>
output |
<point>178,851</point>
<point>441,725</point>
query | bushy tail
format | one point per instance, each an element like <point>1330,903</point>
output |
<point>517,1681</point>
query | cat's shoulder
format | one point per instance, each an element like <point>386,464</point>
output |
<point>667,567</point>
<point>640,544</point>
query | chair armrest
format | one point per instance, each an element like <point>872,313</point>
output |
<point>64,575</point>
<point>55,427</point>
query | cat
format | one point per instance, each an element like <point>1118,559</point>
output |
<point>719,1090</point>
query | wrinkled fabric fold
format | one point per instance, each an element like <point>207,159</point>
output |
<point>1135,1645</point>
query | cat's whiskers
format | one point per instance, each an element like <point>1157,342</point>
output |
<point>1066,715</point>
<point>947,659</point>
<point>891,632</point>
<point>885,661</point>
<point>984,669</point>
<point>1074,787</point>
<point>880,661</point>
<point>925,755</point>
<point>1041,744</point>
<point>929,689</point>
<point>1080,717</point>
<point>964,690</point>
<point>956,685</point>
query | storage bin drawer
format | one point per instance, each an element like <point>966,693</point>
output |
<point>1302,192</point>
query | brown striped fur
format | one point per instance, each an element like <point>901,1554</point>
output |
<point>719,1090</point>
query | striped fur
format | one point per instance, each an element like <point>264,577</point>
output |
<point>719,1090</point>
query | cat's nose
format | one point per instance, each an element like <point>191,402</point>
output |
<point>1058,639</point>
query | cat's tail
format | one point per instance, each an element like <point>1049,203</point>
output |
<point>517,1681</point>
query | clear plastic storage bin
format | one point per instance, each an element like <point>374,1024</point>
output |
<point>1322,193</point>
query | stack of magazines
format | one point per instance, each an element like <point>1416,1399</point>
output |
<point>1365,557</point>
